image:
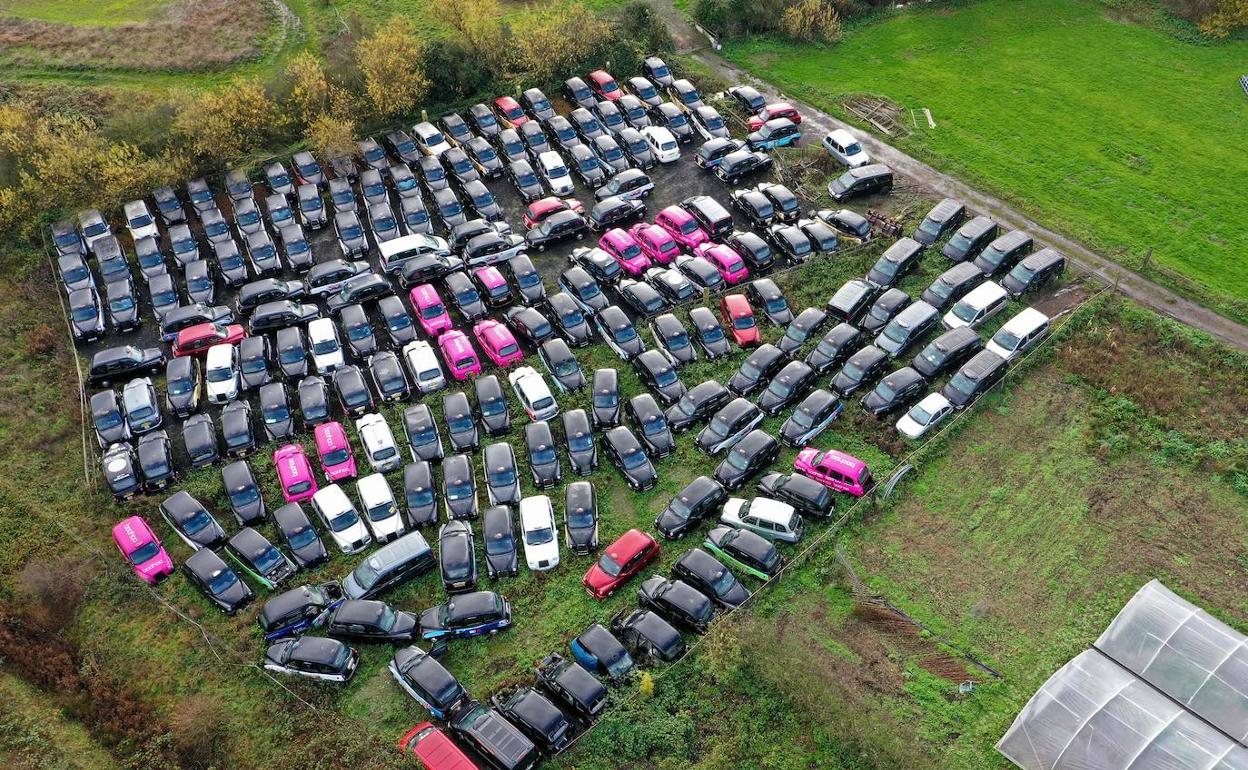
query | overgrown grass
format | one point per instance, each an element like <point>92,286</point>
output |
<point>1120,135</point>
<point>85,12</point>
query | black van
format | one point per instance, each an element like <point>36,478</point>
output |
<point>974,379</point>
<point>1034,271</point>
<point>951,285</point>
<point>1004,252</point>
<point>943,217</point>
<point>711,215</point>
<point>492,736</point>
<point>860,181</point>
<point>947,351</point>
<point>970,239</point>
<point>896,262</point>
<point>408,557</point>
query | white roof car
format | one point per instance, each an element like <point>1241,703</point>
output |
<point>843,146</point>
<point>341,519</point>
<point>1019,334</point>
<point>397,252</point>
<point>534,394</point>
<point>325,345</point>
<point>383,453</point>
<point>924,416</point>
<point>380,511</point>
<point>140,222</point>
<point>662,143</point>
<point>221,377</point>
<point>424,366</point>
<point>769,518</point>
<point>554,170</point>
<point>537,529</point>
<point>982,303</point>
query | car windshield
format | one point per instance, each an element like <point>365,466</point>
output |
<point>885,391</point>
<point>581,442</point>
<point>566,367</point>
<point>959,242</point>
<point>230,261</point>
<point>465,362</point>
<point>223,374</point>
<point>740,461</point>
<point>633,458</point>
<point>268,559</point>
<point>108,420</point>
<point>606,400</point>
<point>483,200</point>
<point>965,311</point>
<point>361,332</point>
<point>499,545</point>
<point>780,388</point>
<point>221,581</point>
<point>544,455</point>
<point>1022,273</point>
<point>352,232</point>
<point>336,456</point>
<point>290,355</point>
<point>526,178</point>
<point>460,423</point>
<point>382,511</point>
<point>86,313</point>
<point>365,575</point>
<point>581,518</point>
<point>196,521</point>
<point>502,477</point>
<point>302,537</point>
<point>144,553</point>
<point>963,384</point>
<point>1006,339</point>
<point>325,346</point>
<point>801,418</point>
<point>433,311</point>
<point>419,498</point>
<point>655,427</point>
<point>920,415</point>
<point>345,518</point>
<point>665,377</point>
<point>198,283</point>
<point>459,490</point>
<point>539,536</point>
<point>608,565</point>
<point>852,371</point>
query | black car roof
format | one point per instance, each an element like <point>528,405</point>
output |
<point>754,441</point>
<point>982,364</point>
<point>601,642</point>
<point>960,273</point>
<point>1042,258</point>
<point>765,355</point>
<point>706,389</point>
<point>580,495</point>
<point>699,489</point>
<point>473,603</point>
<point>654,628</point>
<point>287,603</point>
<point>1011,240</point>
<point>497,522</point>
<point>914,314</point>
<point>205,562</point>
<point>867,357</point>
<point>903,249</point>
<point>750,543</point>
<point>977,226</point>
<point>946,209</point>
<point>316,649</point>
<point>955,339</point>
<point>902,377</point>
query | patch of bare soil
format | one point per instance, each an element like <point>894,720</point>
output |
<point>191,35</point>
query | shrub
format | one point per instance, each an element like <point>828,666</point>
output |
<point>810,20</point>
<point>391,61</point>
<point>646,685</point>
<point>330,136</point>
<point>198,729</point>
<point>222,125</point>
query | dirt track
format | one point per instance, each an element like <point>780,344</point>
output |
<point>1158,298</point>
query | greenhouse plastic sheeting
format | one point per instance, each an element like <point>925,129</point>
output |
<point>1186,653</point>
<point>1095,715</point>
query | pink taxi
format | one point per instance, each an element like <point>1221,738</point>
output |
<point>655,242</point>
<point>142,549</point>
<point>681,225</point>
<point>498,342</point>
<point>294,473</point>
<point>492,285</point>
<point>332,446</point>
<point>620,245</point>
<point>459,354</point>
<point>726,260</point>
<point>430,310</point>
<point>835,470</point>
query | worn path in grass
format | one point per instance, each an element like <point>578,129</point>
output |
<point>817,123</point>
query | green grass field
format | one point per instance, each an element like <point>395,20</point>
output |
<point>1117,134</point>
<point>83,12</point>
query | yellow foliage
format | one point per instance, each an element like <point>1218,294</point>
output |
<point>309,87</point>
<point>1230,16</point>
<point>557,39</point>
<point>480,27</point>
<point>329,136</point>
<point>646,685</point>
<point>223,124</point>
<point>392,60</point>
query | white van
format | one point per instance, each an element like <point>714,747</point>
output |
<point>982,303</point>
<point>555,172</point>
<point>842,145</point>
<point>1020,334</point>
<point>398,251</point>
<point>221,376</point>
<point>534,394</point>
<point>383,453</point>
<point>326,348</point>
<point>380,510</point>
<point>341,519</point>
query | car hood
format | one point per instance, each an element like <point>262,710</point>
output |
<point>405,625</point>
<point>735,596</point>
<point>769,402</point>
<point>312,553</point>
<point>806,458</point>
<point>430,620</point>
<point>156,567</point>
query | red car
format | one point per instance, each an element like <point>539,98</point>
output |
<point>434,749</point>
<point>624,558</point>
<point>777,110</point>
<point>604,85</point>
<point>740,319</point>
<point>195,340</point>
<point>538,211</point>
<point>509,112</point>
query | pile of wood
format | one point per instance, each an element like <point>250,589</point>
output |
<point>887,117</point>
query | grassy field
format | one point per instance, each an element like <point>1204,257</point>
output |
<point>1117,134</point>
<point>84,12</point>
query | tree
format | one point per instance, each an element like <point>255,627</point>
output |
<point>809,20</point>
<point>330,136</point>
<point>557,40</point>
<point>1230,16</point>
<point>480,29</point>
<point>392,61</point>
<point>223,124</point>
<point>309,87</point>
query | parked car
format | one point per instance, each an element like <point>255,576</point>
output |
<point>219,584</point>
<point>1034,271</point>
<point>499,533</point>
<point>627,455</point>
<point>924,416</point>
<point>845,148</point>
<point>975,378</point>
<point>698,403</point>
<point>690,506</point>
<point>807,496</point>
<point>647,636</point>
<point>746,550</point>
<point>862,181</point>
<point>709,333</point>
<point>620,561</point>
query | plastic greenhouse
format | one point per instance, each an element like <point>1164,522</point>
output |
<point>1164,688</point>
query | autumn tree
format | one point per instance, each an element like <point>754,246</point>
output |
<point>392,62</point>
<point>330,135</point>
<point>1230,16</point>
<point>480,28</point>
<point>224,124</point>
<point>309,87</point>
<point>557,39</point>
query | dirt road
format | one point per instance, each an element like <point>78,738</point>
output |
<point>817,123</point>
